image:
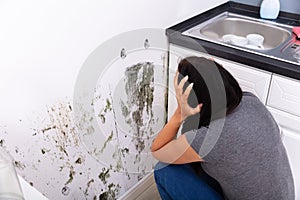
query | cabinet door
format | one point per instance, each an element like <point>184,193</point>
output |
<point>291,141</point>
<point>250,79</point>
<point>290,127</point>
<point>285,94</point>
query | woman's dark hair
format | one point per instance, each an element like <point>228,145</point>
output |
<point>213,86</point>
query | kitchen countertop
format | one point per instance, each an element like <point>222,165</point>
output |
<point>176,37</point>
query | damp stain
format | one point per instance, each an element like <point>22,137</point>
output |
<point>102,117</point>
<point>71,175</point>
<point>125,110</point>
<point>118,156</point>
<point>19,165</point>
<point>79,161</point>
<point>88,185</point>
<point>136,110</point>
<point>2,142</point>
<point>104,175</point>
<point>62,149</point>
<point>61,132</point>
<point>108,107</point>
<point>124,151</point>
<point>17,150</point>
<point>139,88</point>
<point>48,129</point>
<point>65,190</point>
<point>44,150</point>
<point>111,192</point>
<point>107,141</point>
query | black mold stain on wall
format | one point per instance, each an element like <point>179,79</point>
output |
<point>62,133</point>
<point>139,88</point>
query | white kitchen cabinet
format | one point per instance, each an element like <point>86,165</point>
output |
<point>290,127</point>
<point>284,104</point>
<point>285,94</point>
<point>250,79</point>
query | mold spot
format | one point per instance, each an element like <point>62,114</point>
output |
<point>107,108</point>
<point>104,175</point>
<point>65,190</point>
<point>62,149</point>
<point>2,141</point>
<point>19,165</point>
<point>48,129</point>
<point>102,118</point>
<point>44,150</point>
<point>107,141</point>
<point>79,161</point>
<point>89,183</point>
<point>125,151</point>
<point>111,193</point>
<point>71,175</point>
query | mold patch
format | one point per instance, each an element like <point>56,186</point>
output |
<point>56,144</point>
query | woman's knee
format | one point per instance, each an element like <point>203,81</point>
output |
<point>160,165</point>
<point>163,170</point>
<point>159,168</point>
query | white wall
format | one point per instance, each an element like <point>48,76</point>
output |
<point>43,45</point>
<point>43,40</point>
<point>292,6</point>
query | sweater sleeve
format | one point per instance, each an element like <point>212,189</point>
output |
<point>195,138</point>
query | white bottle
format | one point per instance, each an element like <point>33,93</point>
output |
<point>269,9</point>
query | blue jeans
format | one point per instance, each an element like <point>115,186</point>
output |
<point>180,182</point>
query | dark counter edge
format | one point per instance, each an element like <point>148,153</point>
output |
<point>176,37</point>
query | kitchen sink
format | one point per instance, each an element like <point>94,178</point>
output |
<point>230,23</point>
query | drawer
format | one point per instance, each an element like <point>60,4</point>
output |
<point>250,79</point>
<point>285,94</point>
<point>286,120</point>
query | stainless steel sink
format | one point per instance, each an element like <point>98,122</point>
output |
<point>229,23</point>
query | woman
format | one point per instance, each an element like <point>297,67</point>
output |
<point>229,132</point>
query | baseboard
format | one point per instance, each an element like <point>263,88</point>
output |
<point>141,186</point>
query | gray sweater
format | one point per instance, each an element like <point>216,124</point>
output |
<point>247,156</point>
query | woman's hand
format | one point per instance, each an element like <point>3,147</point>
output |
<point>169,132</point>
<point>184,109</point>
